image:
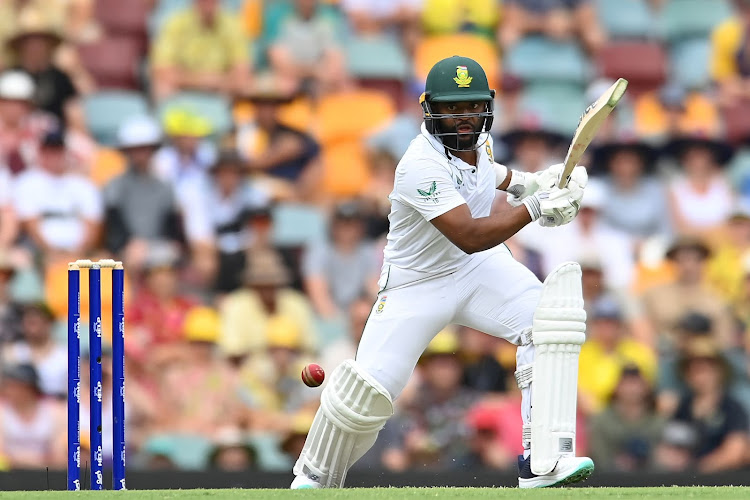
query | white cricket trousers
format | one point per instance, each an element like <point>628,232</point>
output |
<point>492,293</point>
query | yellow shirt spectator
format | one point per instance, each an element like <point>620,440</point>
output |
<point>200,51</point>
<point>725,43</point>
<point>452,16</point>
<point>599,370</point>
<point>188,43</point>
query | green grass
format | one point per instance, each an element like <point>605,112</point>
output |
<point>707,493</point>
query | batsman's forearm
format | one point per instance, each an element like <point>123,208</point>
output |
<point>489,232</point>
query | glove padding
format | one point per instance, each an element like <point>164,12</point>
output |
<point>525,184</point>
<point>553,206</point>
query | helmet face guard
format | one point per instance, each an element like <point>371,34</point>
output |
<point>450,138</point>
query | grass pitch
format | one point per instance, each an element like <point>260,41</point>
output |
<point>700,493</point>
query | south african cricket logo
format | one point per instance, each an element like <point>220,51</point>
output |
<point>381,304</point>
<point>432,194</point>
<point>462,78</point>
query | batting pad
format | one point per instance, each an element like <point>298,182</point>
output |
<point>558,330</point>
<point>353,409</point>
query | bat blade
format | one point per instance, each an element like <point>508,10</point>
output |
<point>589,124</point>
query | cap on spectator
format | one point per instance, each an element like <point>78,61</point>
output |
<point>31,22</point>
<point>691,243</point>
<point>16,86</point>
<point>229,159</point>
<point>41,308</point>
<point>694,322</point>
<point>680,434</point>
<point>445,342</point>
<point>530,125</point>
<point>7,264</point>
<point>603,154</point>
<point>720,149</point>
<point>607,308</point>
<point>269,88</point>
<point>54,139</point>
<point>348,210</point>
<point>161,255</point>
<point>183,122</point>
<point>283,333</point>
<point>300,426</point>
<point>703,348</point>
<point>673,96</point>
<point>139,131</point>
<point>231,438</point>
<point>483,417</point>
<point>202,324</point>
<point>22,372</point>
<point>594,196</point>
<point>266,267</point>
<point>740,212</point>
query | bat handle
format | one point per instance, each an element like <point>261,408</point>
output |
<point>564,179</point>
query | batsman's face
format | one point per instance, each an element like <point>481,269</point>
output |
<point>465,126</point>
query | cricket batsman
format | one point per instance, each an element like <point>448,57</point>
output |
<point>445,262</point>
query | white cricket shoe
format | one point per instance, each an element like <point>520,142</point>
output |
<point>304,483</point>
<point>568,470</point>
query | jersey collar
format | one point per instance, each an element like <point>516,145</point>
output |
<point>455,161</point>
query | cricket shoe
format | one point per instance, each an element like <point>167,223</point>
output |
<point>568,470</point>
<point>304,483</point>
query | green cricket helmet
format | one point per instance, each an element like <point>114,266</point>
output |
<point>457,79</point>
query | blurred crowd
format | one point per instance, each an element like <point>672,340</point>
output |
<point>237,157</point>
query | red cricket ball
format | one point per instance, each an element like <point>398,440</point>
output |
<point>313,375</point>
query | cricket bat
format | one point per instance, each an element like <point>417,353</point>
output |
<point>589,124</point>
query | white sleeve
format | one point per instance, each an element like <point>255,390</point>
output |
<point>90,200</point>
<point>427,187</point>
<point>24,200</point>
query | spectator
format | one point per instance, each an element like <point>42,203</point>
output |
<point>719,423</point>
<point>450,16</point>
<point>284,158</point>
<point>157,314</point>
<point>393,17</point>
<point>39,349</point>
<point>306,51</point>
<point>672,111</point>
<point>33,45</point>
<point>32,427</point>
<point>61,211</point>
<point>266,293</point>
<point>729,66</point>
<point>140,207</point>
<point>560,20</point>
<point>613,249</point>
<point>665,304</point>
<point>22,126</point>
<point>188,152</point>
<point>433,425</point>
<point>345,347</point>
<point>487,448</point>
<point>608,350</point>
<point>270,385</point>
<point>532,145</point>
<point>624,436</point>
<point>230,201</point>
<point>636,201</point>
<point>294,440</point>
<point>232,451</point>
<point>10,311</point>
<point>200,48</point>
<point>197,385</point>
<point>700,196</point>
<point>722,267</point>
<point>336,273</point>
<point>741,305</point>
<point>482,371</point>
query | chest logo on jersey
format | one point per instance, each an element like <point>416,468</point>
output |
<point>381,304</point>
<point>489,152</point>
<point>431,194</point>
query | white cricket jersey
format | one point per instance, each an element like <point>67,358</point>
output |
<point>429,182</point>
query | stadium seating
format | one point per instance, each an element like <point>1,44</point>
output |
<point>626,18</point>
<point>124,18</point>
<point>113,62</point>
<point>681,19</point>
<point>689,61</point>
<point>212,107</point>
<point>105,111</point>
<point>296,225</point>
<point>432,49</point>
<point>643,64</point>
<point>557,106</point>
<point>351,115</point>
<point>376,57</point>
<point>346,171</point>
<point>536,59</point>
